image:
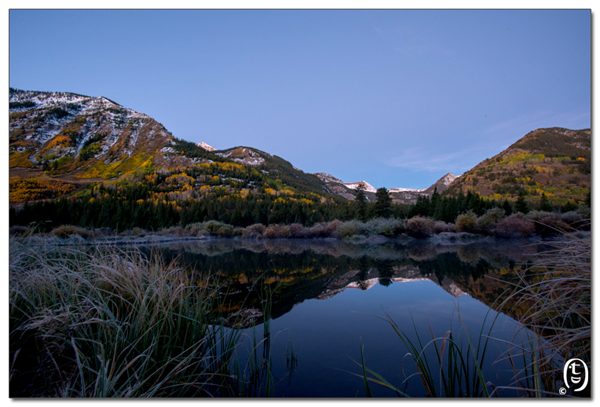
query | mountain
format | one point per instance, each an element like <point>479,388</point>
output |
<point>60,142</point>
<point>554,161</point>
<point>398,195</point>
<point>441,184</point>
<point>368,187</point>
<point>90,137</point>
<point>206,146</point>
<point>335,186</point>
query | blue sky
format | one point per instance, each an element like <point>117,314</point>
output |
<point>395,97</point>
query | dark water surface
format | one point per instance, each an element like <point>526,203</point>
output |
<point>328,298</point>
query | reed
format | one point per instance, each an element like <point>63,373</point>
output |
<point>108,322</point>
<point>557,294</point>
<point>556,290</point>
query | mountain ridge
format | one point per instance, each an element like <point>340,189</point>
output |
<point>76,138</point>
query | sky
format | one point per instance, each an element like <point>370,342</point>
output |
<point>397,98</point>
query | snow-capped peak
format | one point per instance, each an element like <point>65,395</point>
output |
<point>405,190</point>
<point>206,146</point>
<point>354,185</point>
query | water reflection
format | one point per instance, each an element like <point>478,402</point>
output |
<point>295,271</point>
<point>325,297</point>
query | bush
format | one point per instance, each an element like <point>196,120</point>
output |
<point>514,226</point>
<point>386,226</point>
<point>317,230</point>
<point>348,229</point>
<point>65,231</point>
<point>173,230</point>
<point>572,218</point>
<point>276,231</point>
<point>486,222</point>
<point>225,230</point>
<point>197,229</point>
<point>467,222</point>
<point>332,227</point>
<point>419,227</point>
<point>138,232</point>
<point>297,230</point>
<point>255,230</point>
<point>442,227</point>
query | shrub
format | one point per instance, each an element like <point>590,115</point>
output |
<point>138,232</point>
<point>332,227</point>
<point>297,230</point>
<point>572,218</point>
<point>386,226</point>
<point>276,231</point>
<point>537,216</point>
<point>197,229</point>
<point>487,221</point>
<point>348,229</point>
<point>514,226</point>
<point>255,230</point>
<point>65,231</point>
<point>225,231</point>
<point>213,226</point>
<point>442,227</point>
<point>419,227</point>
<point>317,230</point>
<point>467,222</point>
<point>173,230</point>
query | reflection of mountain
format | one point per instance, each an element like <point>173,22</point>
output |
<point>298,271</point>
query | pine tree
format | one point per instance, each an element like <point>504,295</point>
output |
<point>361,202</point>
<point>545,204</point>
<point>521,205</point>
<point>383,204</point>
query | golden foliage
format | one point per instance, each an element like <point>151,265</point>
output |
<point>31,189</point>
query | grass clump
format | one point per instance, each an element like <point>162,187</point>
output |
<point>555,291</point>
<point>105,322</point>
<point>558,295</point>
<point>66,231</point>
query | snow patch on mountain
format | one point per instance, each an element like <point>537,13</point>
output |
<point>323,176</point>
<point>206,146</point>
<point>354,185</point>
<point>244,156</point>
<point>395,190</point>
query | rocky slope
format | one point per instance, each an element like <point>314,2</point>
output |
<point>89,137</point>
<point>399,195</point>
<point>555,162</point>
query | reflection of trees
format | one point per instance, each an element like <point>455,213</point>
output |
<point>386,272</point>
<point>363,274</point>
<point>450,265</point>
<point>301,270</point>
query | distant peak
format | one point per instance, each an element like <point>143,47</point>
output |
<point>354,185</point>
<point>206,146</point>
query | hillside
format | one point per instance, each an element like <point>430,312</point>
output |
<point>398,195</point>
<point>554,162</point>
<point>90,137</point>
<point>62,142</point>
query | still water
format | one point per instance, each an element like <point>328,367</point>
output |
<point>328,299</point>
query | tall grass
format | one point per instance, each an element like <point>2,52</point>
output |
<point>446,366</point>
<point>557,293</point>
<point>107,322</point>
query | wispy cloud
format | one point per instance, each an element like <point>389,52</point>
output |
<point>514,126</point>
<point>418,158</point>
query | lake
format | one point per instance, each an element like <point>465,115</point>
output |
<point>328,299</point>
